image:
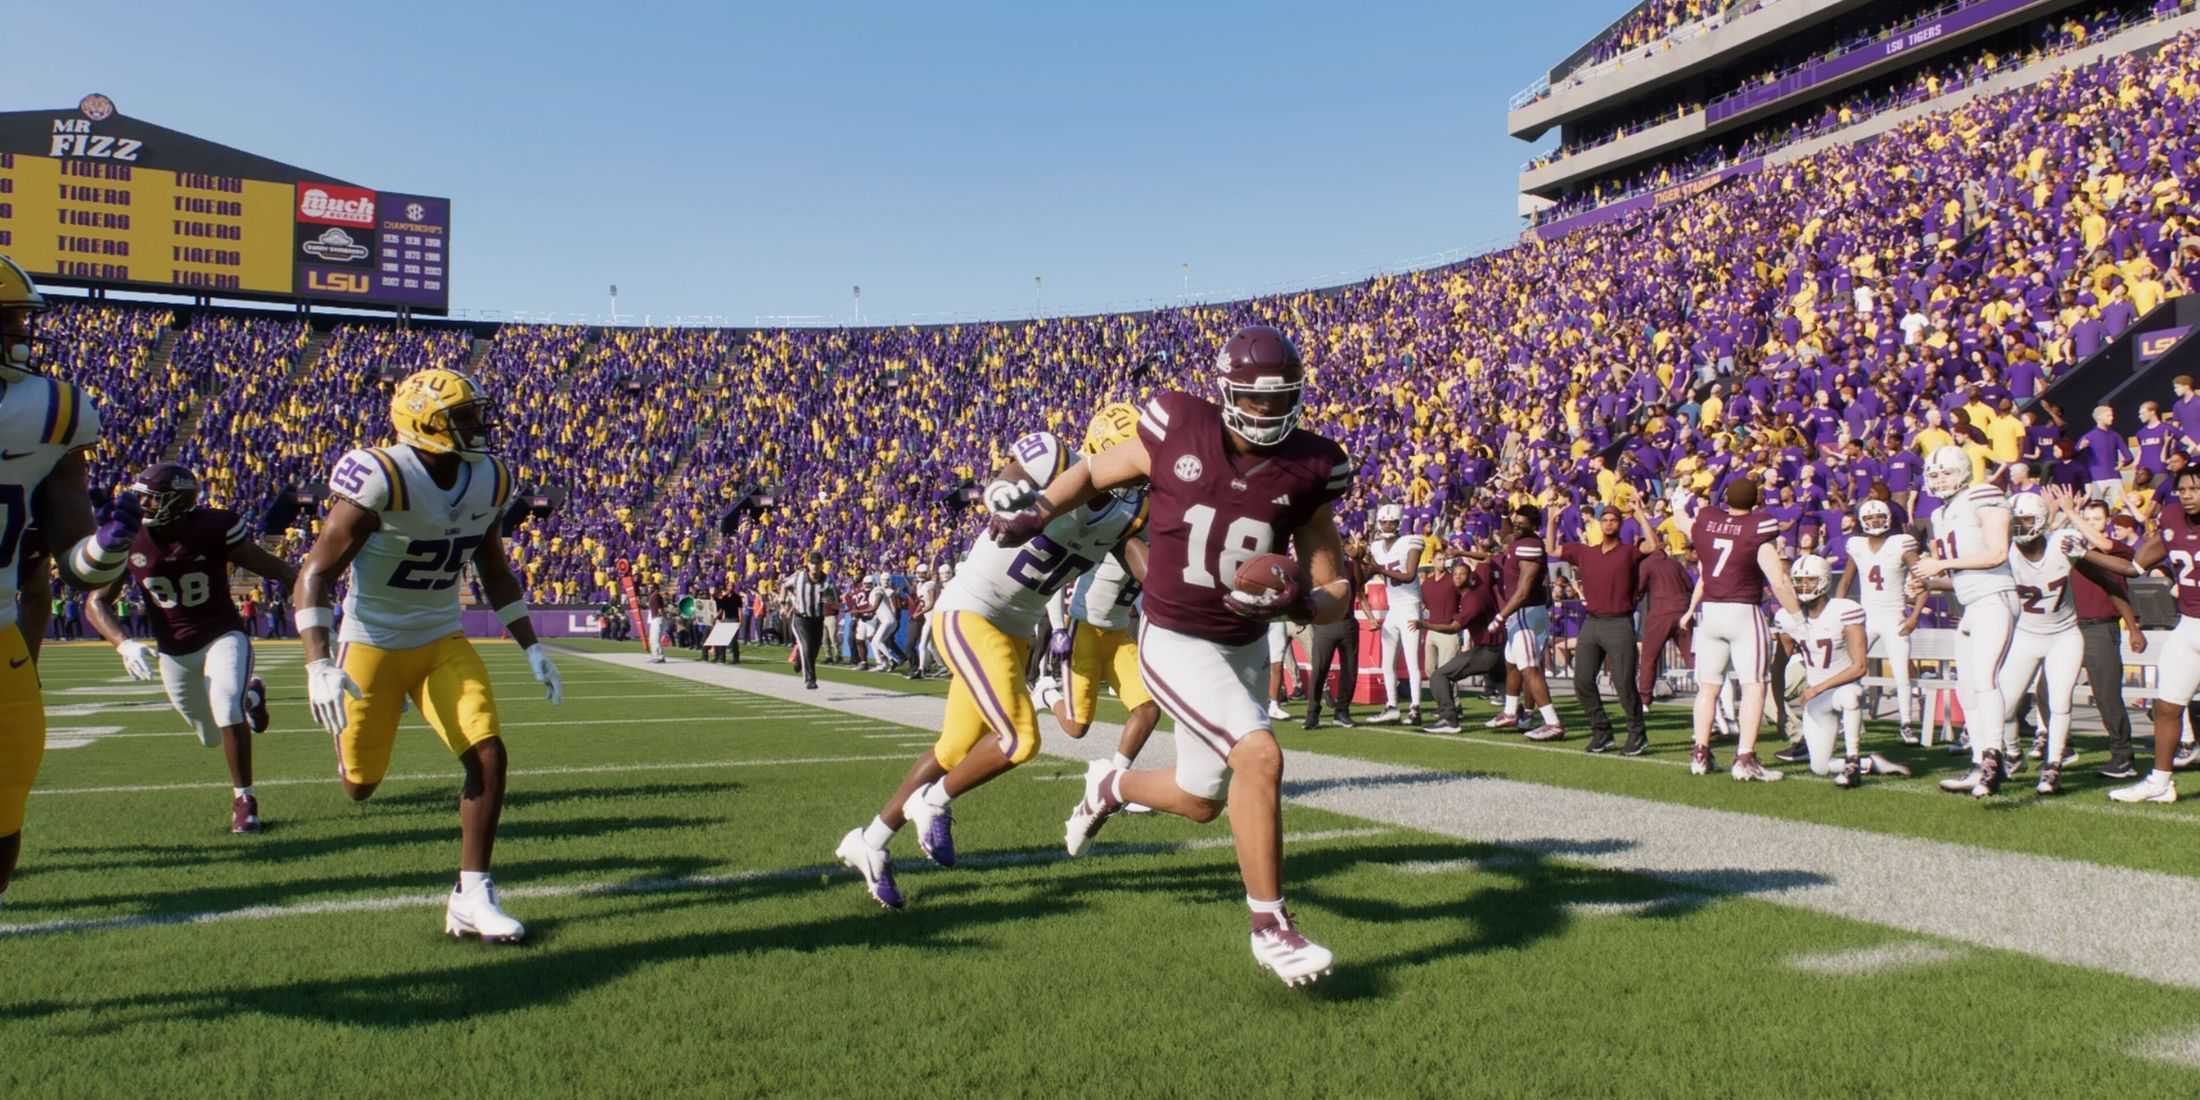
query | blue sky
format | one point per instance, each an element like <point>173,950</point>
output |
<point>752,161</point>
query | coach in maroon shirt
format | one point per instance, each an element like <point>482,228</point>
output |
<point>1607,575</point>
<point>1474,590</point>
<point>2099,611</point>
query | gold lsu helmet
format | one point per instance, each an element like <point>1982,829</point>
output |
<point>442,411</point>
<point>19,301</point>
<point>1116,422</point>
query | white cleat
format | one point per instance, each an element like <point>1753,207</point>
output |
<point>476,913</point>
<point>1092,811</point>
<point>1965,783</point>
<point>1276,711</point>
<point>1044,694</point>
<point>1388,715</point>
<point>1293,957</point>
<point>876,867</point>
<point>2156,787</point>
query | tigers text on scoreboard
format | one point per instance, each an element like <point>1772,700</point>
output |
<point>90,197</point>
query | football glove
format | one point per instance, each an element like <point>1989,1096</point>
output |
<point>546,673</point>
<point>1004,496</point>
<point>326,686</point>
<point>1059,645</point>
<point>119,520</point>
<point>137,659</point>
<point>1016,529</point>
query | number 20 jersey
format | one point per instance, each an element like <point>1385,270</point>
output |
<point>403,585</point>
<point>1210,513</point>
<point>1009,586</point>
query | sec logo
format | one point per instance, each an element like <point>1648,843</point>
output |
<point>138,560</point>
<point>1188,468</point>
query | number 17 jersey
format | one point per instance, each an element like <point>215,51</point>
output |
<point>403,585</point>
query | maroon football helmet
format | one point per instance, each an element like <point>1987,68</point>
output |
<point>1261,363</point>
<point>169,491</point>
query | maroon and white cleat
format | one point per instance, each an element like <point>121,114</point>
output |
<point>1503,722</point>
<point>1700,760</point>
<point>1278,946</point>
<point>1549,731</point>
<point>244,814</point>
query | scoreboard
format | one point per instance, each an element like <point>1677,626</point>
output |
<point>90,197</point>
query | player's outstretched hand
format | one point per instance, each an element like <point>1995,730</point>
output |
<point>546,673</point>
<point>1016,528</point>
<point>137,659</point>
<point>1060,643</point>
<point>326,686</point>
<point>1005,496</point>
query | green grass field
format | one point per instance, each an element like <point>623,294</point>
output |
<point>669,844</point>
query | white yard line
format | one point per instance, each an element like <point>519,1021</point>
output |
<point>1950,891</point>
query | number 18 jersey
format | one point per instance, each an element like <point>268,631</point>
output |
<point>403,585</point>
<point>1213,510</point>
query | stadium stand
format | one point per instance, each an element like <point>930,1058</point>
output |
<point>1815,319</point>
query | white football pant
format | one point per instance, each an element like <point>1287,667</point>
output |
<point>1840,710</point>
<point>1982,647</point>
<point>1399,631</point>
<point>207,687</point>
<point>2062,656</point>
<point>1883,635</point>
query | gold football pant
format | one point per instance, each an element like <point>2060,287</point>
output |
<point>444,678</point>
<point>987,692</point>
<point>22,728</point>
<point>1098,656</point>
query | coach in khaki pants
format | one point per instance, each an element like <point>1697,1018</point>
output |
<point>1440,607</point>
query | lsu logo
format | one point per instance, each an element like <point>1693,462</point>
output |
<point>337,282</point>
<point>2154,345</point>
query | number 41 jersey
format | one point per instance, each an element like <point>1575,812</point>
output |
<point>403,583</point>
<point>1212,510</point>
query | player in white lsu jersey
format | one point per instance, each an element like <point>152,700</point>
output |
<point>402,525</point>
<point>1397,556</point>
<point>1878,572</point>
<point>1831,638</point>
<point>983,629</point>
<point>1971,549</point>
<point>2047,638</point>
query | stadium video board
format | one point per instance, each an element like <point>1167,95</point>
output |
<point>91,197</point>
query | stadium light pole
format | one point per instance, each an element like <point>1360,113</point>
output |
<point>859,303</point>
<point>1187,282</point>
<point>614,303</point>
<point>1037,282</point>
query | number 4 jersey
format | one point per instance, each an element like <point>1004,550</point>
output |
<point>1212,510</point>
<point>184,570</point>
<point>402,585</point>
<point>1009,586</point>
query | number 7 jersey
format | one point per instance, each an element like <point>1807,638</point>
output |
<point>403,584</point>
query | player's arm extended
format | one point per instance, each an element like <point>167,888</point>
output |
<point>2098,567</point>
<point>344,533</point>
<point>2151,552</point>
<point>501,585</point>
<point>80,546</point>
<point>99,610</point>
<point>1120,465</point>
<point>1775,569</point>
<point>1321,550</point>
<point>254,557</point>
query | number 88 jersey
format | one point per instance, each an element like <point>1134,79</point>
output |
<point>1212,510</point>
<point>403,584</point>
<point>184,570</point>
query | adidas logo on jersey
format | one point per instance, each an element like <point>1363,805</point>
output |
<point>1281,499</point>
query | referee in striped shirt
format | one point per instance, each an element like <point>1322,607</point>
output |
<point>804,591</point>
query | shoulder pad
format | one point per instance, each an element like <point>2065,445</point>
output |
<point>504,483</point>
<point>71,421</point>
<point>233,527</point>
<point>369,478</point>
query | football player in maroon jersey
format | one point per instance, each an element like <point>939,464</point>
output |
<point>1228,483</point>
<point>2174,546</point>
<point>181,560</point>
<point>1737,548</point>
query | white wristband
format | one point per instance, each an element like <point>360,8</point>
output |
<point>308,618</point>
<point>512,612</point>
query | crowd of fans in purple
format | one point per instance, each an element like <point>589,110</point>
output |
<point>1819,324</point>
<point>1960,70</point>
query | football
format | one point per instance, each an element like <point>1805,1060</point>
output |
<point>1270,580</point>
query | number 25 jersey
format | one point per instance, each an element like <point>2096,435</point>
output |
<point>404,582</point>
<point>1212,510</point>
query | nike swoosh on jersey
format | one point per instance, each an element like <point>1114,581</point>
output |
<point>13,663</point>
<point>10,456</point>
<point>478,515</point>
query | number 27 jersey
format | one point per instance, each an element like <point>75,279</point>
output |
<point>403,584</point>
<point>1211,511</point>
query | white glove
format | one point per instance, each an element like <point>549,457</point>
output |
<point>137,659</point>
<point>326,686</point>
<point>546,674</point>
<point>1005,497</point>
<point>1787,623</point>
